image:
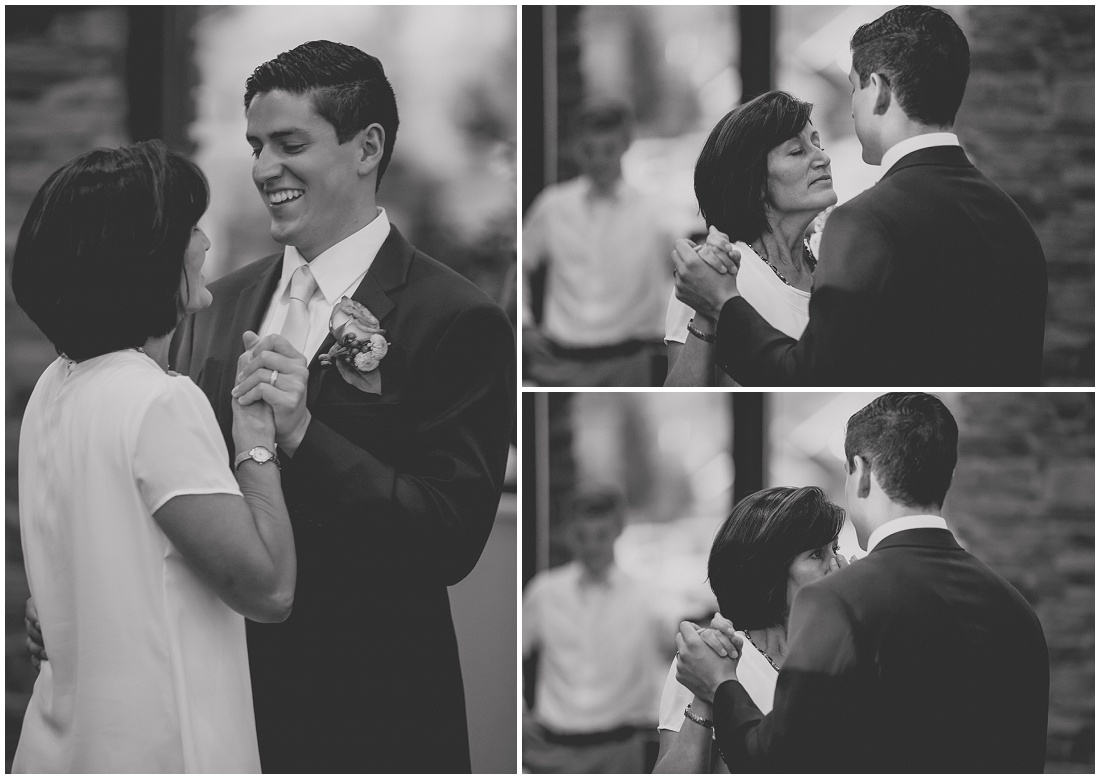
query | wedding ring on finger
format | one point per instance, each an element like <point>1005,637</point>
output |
<point>274,378</point>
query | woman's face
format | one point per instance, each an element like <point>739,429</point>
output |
<point>810,566</point>
<point>799,177</point>
<point>193,291</point>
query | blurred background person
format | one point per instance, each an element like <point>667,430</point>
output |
<point>603,248</point>
<point>601,643</point>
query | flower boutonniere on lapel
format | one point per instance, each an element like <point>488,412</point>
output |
<point>360,345</point>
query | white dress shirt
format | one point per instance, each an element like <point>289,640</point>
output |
<point>608,263</point>
<point>338,270</point>
<point>916,143</point>
<point>600,649</point>
<point>914,522</point>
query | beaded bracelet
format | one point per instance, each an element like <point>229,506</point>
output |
<point>695,331</point>
<point>691,715</point>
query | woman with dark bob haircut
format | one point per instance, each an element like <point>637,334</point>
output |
<point>144,551</point>
<point>773,542</point>
<point>761,180</point>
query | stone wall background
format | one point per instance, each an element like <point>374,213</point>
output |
<point>1028,121</point>
<point>1023,501</point>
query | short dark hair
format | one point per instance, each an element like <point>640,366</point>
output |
<point>605,116</point>
<point>752,552</point>
<point>731,176</point>
<point>348,87</point>
<point>924,56</point>
<point>595,501</point>
<point>911,442</point>
<point>99,258</point>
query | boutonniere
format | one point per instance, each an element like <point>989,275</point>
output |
<point>360,345</point>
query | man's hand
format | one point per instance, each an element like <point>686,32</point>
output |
<point>698,667</point>
<point>706,275</point>
<point>35,643</point>
<point>286,395</point>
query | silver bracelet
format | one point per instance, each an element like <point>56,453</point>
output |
<point>691,715</point>
<point>695,331</point>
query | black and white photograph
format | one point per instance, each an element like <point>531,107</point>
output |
<point>808,195</point>
<point>814,582</point>
<point>261,389</point>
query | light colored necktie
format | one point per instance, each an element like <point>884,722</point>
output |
<point>296,327</point>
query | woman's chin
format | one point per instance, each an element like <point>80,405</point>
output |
<point>202,301</point>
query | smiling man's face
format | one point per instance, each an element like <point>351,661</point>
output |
<point>310,183</point>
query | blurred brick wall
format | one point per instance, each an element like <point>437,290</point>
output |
<point>1028,122</point>
<point>1023,501</point>
<point>66,94</point>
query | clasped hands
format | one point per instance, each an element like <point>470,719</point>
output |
<point>707,657</point>
<point>706,274</point>
<point>273,357</point>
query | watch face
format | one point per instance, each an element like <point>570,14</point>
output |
<point>261,454</point>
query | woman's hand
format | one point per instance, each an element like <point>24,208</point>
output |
<point>721,623</point>
<point>253,424</point>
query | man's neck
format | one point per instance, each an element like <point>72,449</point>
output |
<point>891,511</point>
<point>310,253</point>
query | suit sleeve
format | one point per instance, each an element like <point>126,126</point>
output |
<point>438,509</point>
<point>854,268</point>
<point>819,699</point>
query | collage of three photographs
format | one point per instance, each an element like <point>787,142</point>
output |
<point>550,389</point>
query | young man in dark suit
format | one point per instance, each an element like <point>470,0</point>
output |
<point>917,658</point>
<point>392,470</point>
<point>934,276</point>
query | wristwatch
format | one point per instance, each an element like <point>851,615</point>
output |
<point>260,454</point>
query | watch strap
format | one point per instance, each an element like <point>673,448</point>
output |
<point>251,454</point>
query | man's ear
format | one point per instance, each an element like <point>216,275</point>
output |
<point>370,143</point>
<point>861,470</point>
<point>883,94</point>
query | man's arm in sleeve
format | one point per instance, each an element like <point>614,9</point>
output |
<point>854,266</point>
<point>442,501</point>
<point>817,689</point>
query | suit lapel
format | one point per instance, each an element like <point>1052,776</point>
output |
<point>387,273</point>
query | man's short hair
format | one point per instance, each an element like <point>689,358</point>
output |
<point>911,442</point>
<point>731,175</point>
<point>99,258</point>
<point>348,88</point>
<point>923,55</point>
<point>750,559</point>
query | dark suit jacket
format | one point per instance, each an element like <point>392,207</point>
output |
<point>917,658</point>
<point>392,499</point>
<point>932,277</point>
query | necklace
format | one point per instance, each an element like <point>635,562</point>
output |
<point>810,260</point>
<point>758,649</point>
